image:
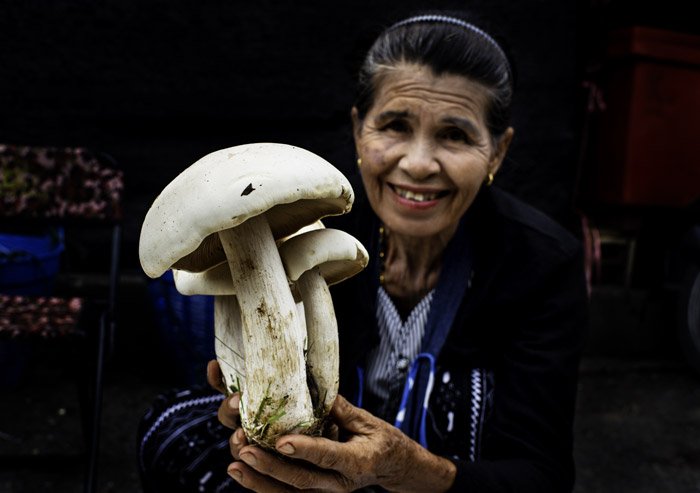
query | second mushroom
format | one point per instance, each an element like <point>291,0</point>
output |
<point>315,260</point>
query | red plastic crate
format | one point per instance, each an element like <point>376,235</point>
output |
<point>646,145</point>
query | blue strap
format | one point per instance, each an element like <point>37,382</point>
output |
<point>360,385</point>
<point>408,387</point>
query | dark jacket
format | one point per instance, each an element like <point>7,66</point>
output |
<point>503,405</point>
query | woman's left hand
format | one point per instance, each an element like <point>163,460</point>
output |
<point>375,453</point>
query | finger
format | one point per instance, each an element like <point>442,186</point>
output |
<point>228,413</point>
<point>351,418</point>
<point>214,376</point>
<point>319,451</point>
<point>249,478</point>
<point>295,474</point>
<point>237,441</point>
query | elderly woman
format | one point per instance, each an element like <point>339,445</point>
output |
<point>460,343</point>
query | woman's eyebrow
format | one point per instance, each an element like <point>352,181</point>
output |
<point>392,114</point>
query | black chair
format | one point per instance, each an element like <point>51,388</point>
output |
<point>71,191</point>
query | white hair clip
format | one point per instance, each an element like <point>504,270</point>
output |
<point>457,22</point>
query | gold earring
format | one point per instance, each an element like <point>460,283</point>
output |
<point>489,180</point>
<point>359,162</point>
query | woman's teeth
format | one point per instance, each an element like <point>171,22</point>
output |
<point>415,196</point>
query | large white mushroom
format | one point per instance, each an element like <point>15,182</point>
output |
<point>315,260</point>
<point>230,206</point>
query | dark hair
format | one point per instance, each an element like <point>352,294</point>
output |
<point>448,43</point>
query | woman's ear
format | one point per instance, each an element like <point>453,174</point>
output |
<point>501,149</point>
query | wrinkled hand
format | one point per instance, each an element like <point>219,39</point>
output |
<point>375,453</point>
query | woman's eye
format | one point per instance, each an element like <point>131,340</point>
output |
<point>456,135</point>
<point>396,126</point>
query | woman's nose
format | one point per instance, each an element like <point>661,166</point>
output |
<point>419,161</point>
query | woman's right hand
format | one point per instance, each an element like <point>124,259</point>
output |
<point>374,452</point>
<point>228,414</point>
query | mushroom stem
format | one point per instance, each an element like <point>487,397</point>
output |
<point>228,341</point>
<point>322,356</point>
<point>275,399</point>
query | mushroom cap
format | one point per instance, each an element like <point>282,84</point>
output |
<point>290,185</point>
<point>337,255</point>
<point>217,280</point>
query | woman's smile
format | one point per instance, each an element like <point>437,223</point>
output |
<point>416,197</point>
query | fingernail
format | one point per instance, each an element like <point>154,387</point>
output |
<point>249,458</point>
<point>287,448</point>
<point>235,474</point>
<point>235,439</point>
<point>234,402</point>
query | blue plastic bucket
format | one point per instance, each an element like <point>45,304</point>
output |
<point>28,267</point>
<point>185,329</point>
<point>29,263</point>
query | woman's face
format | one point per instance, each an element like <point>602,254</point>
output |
<point>425,149</point>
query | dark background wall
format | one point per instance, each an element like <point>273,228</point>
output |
<point>157,84</point>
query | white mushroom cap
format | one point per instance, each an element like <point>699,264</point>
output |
<point>292,186</point>
<point>217,281</point>
<point>337,255</point>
